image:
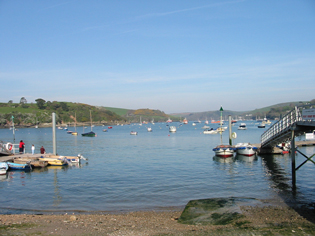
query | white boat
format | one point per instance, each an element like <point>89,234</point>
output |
<point>194,124</point>
<point>133,133</point>
<point>262,125</point>
<point>172,129</point>
<point>223,151</point>
<point>149,129</point>
<point>245,149</point>
<point>205,127</point>
<point>242,126</point>
<point>169,120</point>
<point>210,131</point>
<point>185,121</point>
<point>3,168</point>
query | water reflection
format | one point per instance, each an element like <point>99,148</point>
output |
<point>57,198</point>
<point>276,174</point>
<point>4,177</point>
<point>19,174</point>
<point>243,158</point>
<point>223,160</point>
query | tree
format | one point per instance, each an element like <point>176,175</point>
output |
<point>10,101</point>
<point>23,100</point>
<point>40,103</point>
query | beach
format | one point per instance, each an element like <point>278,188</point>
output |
<point>270,220</point>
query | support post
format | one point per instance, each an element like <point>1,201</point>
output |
<point>230,130</point>
<point>54,133</point>
<point>293,159</point>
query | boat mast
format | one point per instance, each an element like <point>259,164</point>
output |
<point>221,110</point>
<point>91,119</point>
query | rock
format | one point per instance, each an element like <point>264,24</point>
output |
<point>73,218</point>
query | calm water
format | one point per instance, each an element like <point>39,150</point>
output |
<point>152,170</point>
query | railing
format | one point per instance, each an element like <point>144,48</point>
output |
<point>15,148</point>
<point>282,127</point>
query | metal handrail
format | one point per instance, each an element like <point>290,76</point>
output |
<point>282,126</point>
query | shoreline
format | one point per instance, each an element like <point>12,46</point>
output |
<point>255,220</point>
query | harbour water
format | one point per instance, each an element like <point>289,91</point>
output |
<point>149,171</point>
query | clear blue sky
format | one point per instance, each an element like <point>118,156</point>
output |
<point>175,56</point>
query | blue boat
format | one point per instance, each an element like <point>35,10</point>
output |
<point>15,166</point>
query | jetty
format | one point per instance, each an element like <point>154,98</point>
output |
<point>296,122</point>
<point>10,158</point>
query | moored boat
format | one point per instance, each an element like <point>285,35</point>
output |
<point>55,160</point>
<point>35,162</point>
<point>149,129</point>
<point>223,150</point>
<point>89,134</point>
<point>210,131</point>
<point>262,125</point>
<point>185,121</point>
<point>172,129</point>
<point>245,149</point>
<point>242,126</point>
<point>15,166</point>
<point>3,168</point>
<point>133,133</point>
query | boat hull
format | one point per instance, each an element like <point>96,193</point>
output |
<point>223,151</point>
<point>15,166</point>
<point>3,168</point>
<point>89,134</point>
<point>246,150</point>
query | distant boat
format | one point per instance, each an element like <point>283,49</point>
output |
<point>75,125</point>
<point>91,133</point>
<point>210,131</point>
<point>169,120</point>
<point>194,124</point>
<point>206,121</point>
<point>149,129</point>
<point>242,126</point>
<point>133,133</point>
<point>172,129</point>
<point>262,125</point>
<point>185,121</point>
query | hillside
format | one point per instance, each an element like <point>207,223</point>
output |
<point>271,112</point>
<point>27,115</point>
<point>32,114</point>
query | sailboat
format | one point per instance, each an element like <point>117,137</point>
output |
<point>75,125</point>
<point>223,150</point>
<point>91,133</point>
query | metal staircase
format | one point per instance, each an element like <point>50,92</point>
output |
<point>296,120</point>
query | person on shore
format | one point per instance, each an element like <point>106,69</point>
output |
<point>42,150</point>
<point>33,149</point>
<point>21,147</point>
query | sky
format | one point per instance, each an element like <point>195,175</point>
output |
<point>171,55</point>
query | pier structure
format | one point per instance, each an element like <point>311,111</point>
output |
<point>298,121</point>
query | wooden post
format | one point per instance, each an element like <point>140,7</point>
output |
<point>293,159</point>
<point>54,133</point>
